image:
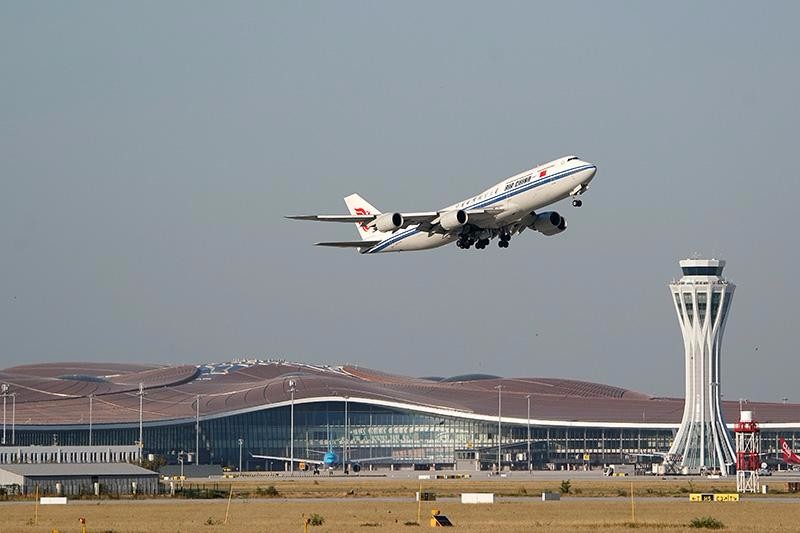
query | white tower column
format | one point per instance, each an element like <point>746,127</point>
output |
<point>702,299</point>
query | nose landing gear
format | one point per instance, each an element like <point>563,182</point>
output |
<point>577,203</point>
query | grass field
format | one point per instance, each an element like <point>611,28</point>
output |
<point>356,506</point>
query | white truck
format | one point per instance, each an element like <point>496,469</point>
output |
<point>619,470</point>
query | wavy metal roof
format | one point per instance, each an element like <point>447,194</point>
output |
<point>57,394</point>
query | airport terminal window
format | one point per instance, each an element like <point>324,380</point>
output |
<point>380,432</point>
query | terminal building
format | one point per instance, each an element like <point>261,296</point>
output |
<point>209,414</point>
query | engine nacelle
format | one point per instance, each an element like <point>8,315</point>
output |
<point>388,222</point>
<point>453,220</point>
<point>549,223</point>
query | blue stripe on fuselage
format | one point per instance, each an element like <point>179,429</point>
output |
<point>483,203</point>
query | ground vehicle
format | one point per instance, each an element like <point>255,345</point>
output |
<point>619,470</point>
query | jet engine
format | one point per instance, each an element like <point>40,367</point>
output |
<point>453,220</point>
<point>388,222</point>
<point>549,223</point>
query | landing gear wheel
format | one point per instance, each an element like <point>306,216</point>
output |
<point>503,244</point>
<point>577,203</point>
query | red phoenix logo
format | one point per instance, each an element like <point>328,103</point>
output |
<point>362,211</point>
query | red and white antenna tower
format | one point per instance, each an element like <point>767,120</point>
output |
<point>748,456</point>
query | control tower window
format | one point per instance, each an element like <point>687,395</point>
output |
<point>702,271</point>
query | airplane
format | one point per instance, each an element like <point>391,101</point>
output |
<point>503,210</point>
<point>330,460</point>
<point>788,455</point>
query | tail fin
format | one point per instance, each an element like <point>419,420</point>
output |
<point>788,455</point>
<point>358,206</point>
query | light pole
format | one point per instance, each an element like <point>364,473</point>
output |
<point>141,433</point>
<point>180,460</point>
<point>346,436</point>
<point>292,389</point>
<point>241,441</point>
<point>197,432</point>
<point>4,392</point>
<point>499,427</point>
<point>528,397</point>
<point>13,418</point>
<point>91,401</point>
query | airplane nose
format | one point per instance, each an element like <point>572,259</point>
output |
<point>590,172</point>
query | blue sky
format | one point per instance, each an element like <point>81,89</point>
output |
<point>148,153</point>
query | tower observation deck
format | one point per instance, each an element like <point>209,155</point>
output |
<point>702,299</point>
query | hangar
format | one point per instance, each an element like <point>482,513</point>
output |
<point>76,479</point>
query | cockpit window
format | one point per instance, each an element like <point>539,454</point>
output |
<point>571,159</point>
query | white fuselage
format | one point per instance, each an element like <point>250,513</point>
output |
<point>513,198</point>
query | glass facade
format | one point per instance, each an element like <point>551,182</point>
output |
<point>395,436</point>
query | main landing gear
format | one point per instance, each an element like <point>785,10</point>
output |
<point>504,239</point>
<point>481,240</point>
<point>464,242</point>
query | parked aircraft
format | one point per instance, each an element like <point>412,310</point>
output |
<point>788,455</point>
<point>503,210</point>
<point>330,460</point>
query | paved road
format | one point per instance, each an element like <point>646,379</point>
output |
<point>499,499</point>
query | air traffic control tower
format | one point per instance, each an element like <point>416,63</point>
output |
<point>702,298</point>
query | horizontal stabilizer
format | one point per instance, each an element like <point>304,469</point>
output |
<point>334,218</point>
<point>348,244</point>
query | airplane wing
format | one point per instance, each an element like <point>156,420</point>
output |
<point>427,221</point>
<point>480,218</point>
<point>409,219</point>
<point>370,459</point>
<point>296,460</point>
<point>348,244</point>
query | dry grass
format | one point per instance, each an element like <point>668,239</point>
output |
<point>387,488</point>
<point>368,515</point>
<point>359,514</point>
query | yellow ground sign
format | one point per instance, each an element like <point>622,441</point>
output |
<point>708,497</point>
